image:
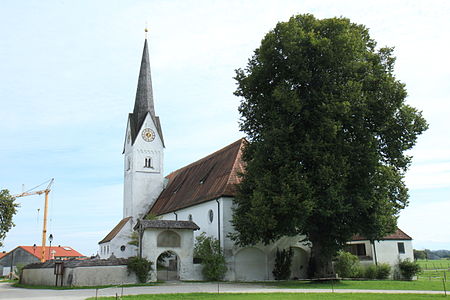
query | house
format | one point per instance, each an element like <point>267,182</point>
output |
<point>24,255</point>
<point>390,249</point>
<point>194,199</point>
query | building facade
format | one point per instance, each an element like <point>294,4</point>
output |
<point>201,194</point>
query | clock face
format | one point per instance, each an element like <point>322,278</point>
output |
<point>148,135</point>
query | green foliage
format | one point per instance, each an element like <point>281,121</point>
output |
<point>347,265</point>
<point>8,208</point>
<point>283,261</point>
<point>208,250</point>
<point>419,254</point>
<point>134,239</point>
<point>409,269</point>
<point>328,130</point>
<point>383,271</point>
<point>370,272</point>
<point>140,266</point>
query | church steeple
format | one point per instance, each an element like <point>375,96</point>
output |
<point>144,93</point>
<point>143,103</point>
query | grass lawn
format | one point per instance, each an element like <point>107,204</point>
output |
<point>419,285</point>
<point>278,296</point>
<point>434,264</point>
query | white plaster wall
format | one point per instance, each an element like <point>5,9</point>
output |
<point>387,251</point>
<point>121,239</point>
<point>185,252</point>
<point>38,277</point>
<point>200,216</point>
<point>81,276</point>
<point>142,185</point>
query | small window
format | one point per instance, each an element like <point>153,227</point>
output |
<point>210,215</point>
<point>122,248</point>
<point>190,217</point>
<point>148,163</point>
<point>401,248</point>
<point>357,249</point>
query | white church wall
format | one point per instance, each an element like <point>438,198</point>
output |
<point>200,216</point>
<point>119,244</point>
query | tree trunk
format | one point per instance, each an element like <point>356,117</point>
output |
<point>320,262</point>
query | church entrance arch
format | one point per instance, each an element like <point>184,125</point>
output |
<point>167,266</point>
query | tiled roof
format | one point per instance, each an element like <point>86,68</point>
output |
<point>211,177</point>
<point>166,224</point>
<point>58,251</point>
<point>397,235</point>
<point>115,231</point>
<point>2,254</point>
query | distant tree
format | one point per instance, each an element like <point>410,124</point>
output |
<point>328,128</point>
<point>419,254</point>
<point>8,208</point>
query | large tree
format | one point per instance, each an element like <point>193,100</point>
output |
<point>8,209</point>
<point>328,129</point>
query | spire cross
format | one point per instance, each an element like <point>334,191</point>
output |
<point>146,30</point>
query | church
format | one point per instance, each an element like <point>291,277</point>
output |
<point>196,199</point>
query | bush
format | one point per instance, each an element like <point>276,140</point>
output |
<point>408,269</point>
<point>383,271</point>
<point>282,268</point>
<point>140,266</point>
<point>208,250</point>
<point>347,265</point>
<point>370,272</point>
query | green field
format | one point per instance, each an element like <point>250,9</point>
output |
<point>434,264</point>
<point>278,296</point>
<point>415,285</point>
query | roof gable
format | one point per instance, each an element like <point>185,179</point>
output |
<point>211,177</point>
<point>112,234</point>
<point>397,235</point>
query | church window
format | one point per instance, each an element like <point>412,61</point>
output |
<point>190,217</point>
<point>168,238</point>
<point>148,163</point>
<point>210,215</point>
<point>122,248</point>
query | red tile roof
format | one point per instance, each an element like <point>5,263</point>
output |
<point>114,231</point>
<point>58,251</point>
<point>2,254</point>
<point>209,178</point>
<point>397,235</point>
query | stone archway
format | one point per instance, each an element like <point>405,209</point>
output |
<point>168,266</point>
<point>299,266</point>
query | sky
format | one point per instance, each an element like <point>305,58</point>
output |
<point>68,77</point>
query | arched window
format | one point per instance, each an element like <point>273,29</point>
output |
<point>210,215</point>
<point>148,163</point>
<point>168,238</point>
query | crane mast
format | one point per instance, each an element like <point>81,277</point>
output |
<point>44,229</point>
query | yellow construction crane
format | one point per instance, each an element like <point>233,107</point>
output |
<point>44,230</point>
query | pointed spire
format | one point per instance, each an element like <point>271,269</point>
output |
<point>144,93</point>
